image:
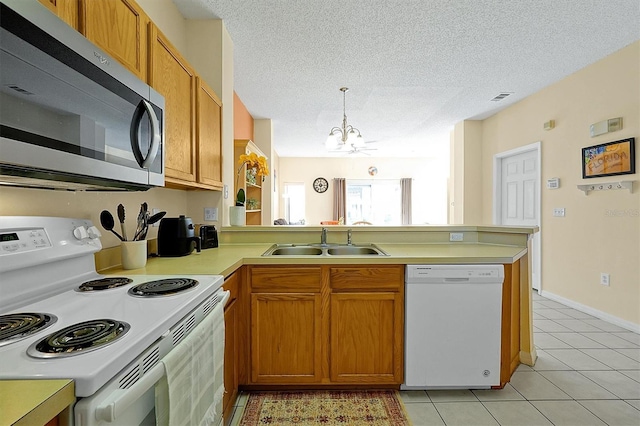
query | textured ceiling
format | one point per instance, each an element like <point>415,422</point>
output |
<point>414,67</point>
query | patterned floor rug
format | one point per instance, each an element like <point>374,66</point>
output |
<point>353,408</point>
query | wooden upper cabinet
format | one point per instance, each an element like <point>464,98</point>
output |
<point>120,28</point>
<point>67,10</point>
<point>172,76</point>
<point>208,136</point>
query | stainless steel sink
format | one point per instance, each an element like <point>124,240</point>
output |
<point>324,250</point>
<point>295,251</point>
<point>352,251</point>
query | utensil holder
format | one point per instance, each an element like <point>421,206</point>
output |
<point>134,254</point>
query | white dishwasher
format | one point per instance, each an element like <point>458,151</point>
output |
<point>453,322</point>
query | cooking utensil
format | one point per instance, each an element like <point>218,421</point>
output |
<point>139,222</point>
<point>107,222</point>
<point>150,220</point>
<point>156,217</point>
<point>145,227</point>
<point>121,218</point>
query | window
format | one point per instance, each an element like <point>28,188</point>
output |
<point>378,202</point>
<point>294,203</point>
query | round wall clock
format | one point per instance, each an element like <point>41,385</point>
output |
<point>320,185</point>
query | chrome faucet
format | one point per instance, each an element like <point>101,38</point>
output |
<point>323,237</point>
<point>349,237</point>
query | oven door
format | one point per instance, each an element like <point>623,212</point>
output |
<point>130,398</point>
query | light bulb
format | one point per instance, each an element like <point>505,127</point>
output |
<point>359,142</point>
<point>351,137</point>
<point>332,141</point>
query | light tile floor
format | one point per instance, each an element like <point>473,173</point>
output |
<point>587,373</point>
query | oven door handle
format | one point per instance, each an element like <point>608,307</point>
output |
<point>121,399</point>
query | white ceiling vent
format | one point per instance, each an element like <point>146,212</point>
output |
<point>501,96</point>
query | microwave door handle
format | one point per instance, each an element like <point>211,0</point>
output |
<point>145,161</point>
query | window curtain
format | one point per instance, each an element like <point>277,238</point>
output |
<point>405,188</point>
<point>339,199</point>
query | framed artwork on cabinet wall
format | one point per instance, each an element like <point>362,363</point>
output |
<point>609,159</point>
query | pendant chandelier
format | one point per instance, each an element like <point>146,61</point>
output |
<point>347,136</point>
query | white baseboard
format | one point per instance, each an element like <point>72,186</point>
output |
<point>628,325</point>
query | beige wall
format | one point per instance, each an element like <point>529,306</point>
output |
<point>466,170</point>
<point>88,205</point>
<point>601,230</point>
<point>263,138</point>
<point>429,182</point>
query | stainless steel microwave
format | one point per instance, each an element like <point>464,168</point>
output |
<point>71,117</point>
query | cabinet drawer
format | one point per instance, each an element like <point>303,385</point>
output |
<point>231,284</point>
<point>285,280</point>
<point>367,277</point>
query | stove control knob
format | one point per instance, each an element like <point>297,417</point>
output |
<point>80,233</point>
<point>93,232</point>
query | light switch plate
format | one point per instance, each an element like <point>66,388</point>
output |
<point>211,213</point>
<point>456,236</point>
<point>558,212</point>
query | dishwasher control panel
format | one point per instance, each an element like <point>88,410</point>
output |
<point>470,273</point>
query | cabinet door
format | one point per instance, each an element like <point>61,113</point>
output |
<point>173,77</point>
<point>67,10</point>
<point>285,338</point>
<point>120,28</point>
<point>209,136</point>
<point>366,338</point>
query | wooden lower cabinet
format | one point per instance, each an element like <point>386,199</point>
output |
<point>366,338</point>
<point>285,338</point>
<point>306,332</point>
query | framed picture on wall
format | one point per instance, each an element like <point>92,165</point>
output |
<point>609,159</point>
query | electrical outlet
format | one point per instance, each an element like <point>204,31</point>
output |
<point>604,279</point>
<point>558,212</point>
<point>456,236</point>
<point>211,213</point>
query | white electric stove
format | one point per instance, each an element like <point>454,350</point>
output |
<point>96,329</point>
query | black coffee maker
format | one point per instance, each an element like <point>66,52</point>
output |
<point>176,237</point>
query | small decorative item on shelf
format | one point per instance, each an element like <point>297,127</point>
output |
<point>253,204</point>
<point>251,176</point>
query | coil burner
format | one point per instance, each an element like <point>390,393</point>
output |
<point>163,287</point>
<point>14,327</point>
<point>104,283</point>
<point>79,338</point>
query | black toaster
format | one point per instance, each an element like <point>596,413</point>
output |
<point>208,236</point>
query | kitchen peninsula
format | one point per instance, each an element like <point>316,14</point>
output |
<point>322,291</point>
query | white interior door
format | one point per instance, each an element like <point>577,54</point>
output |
<point>517,195</point>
